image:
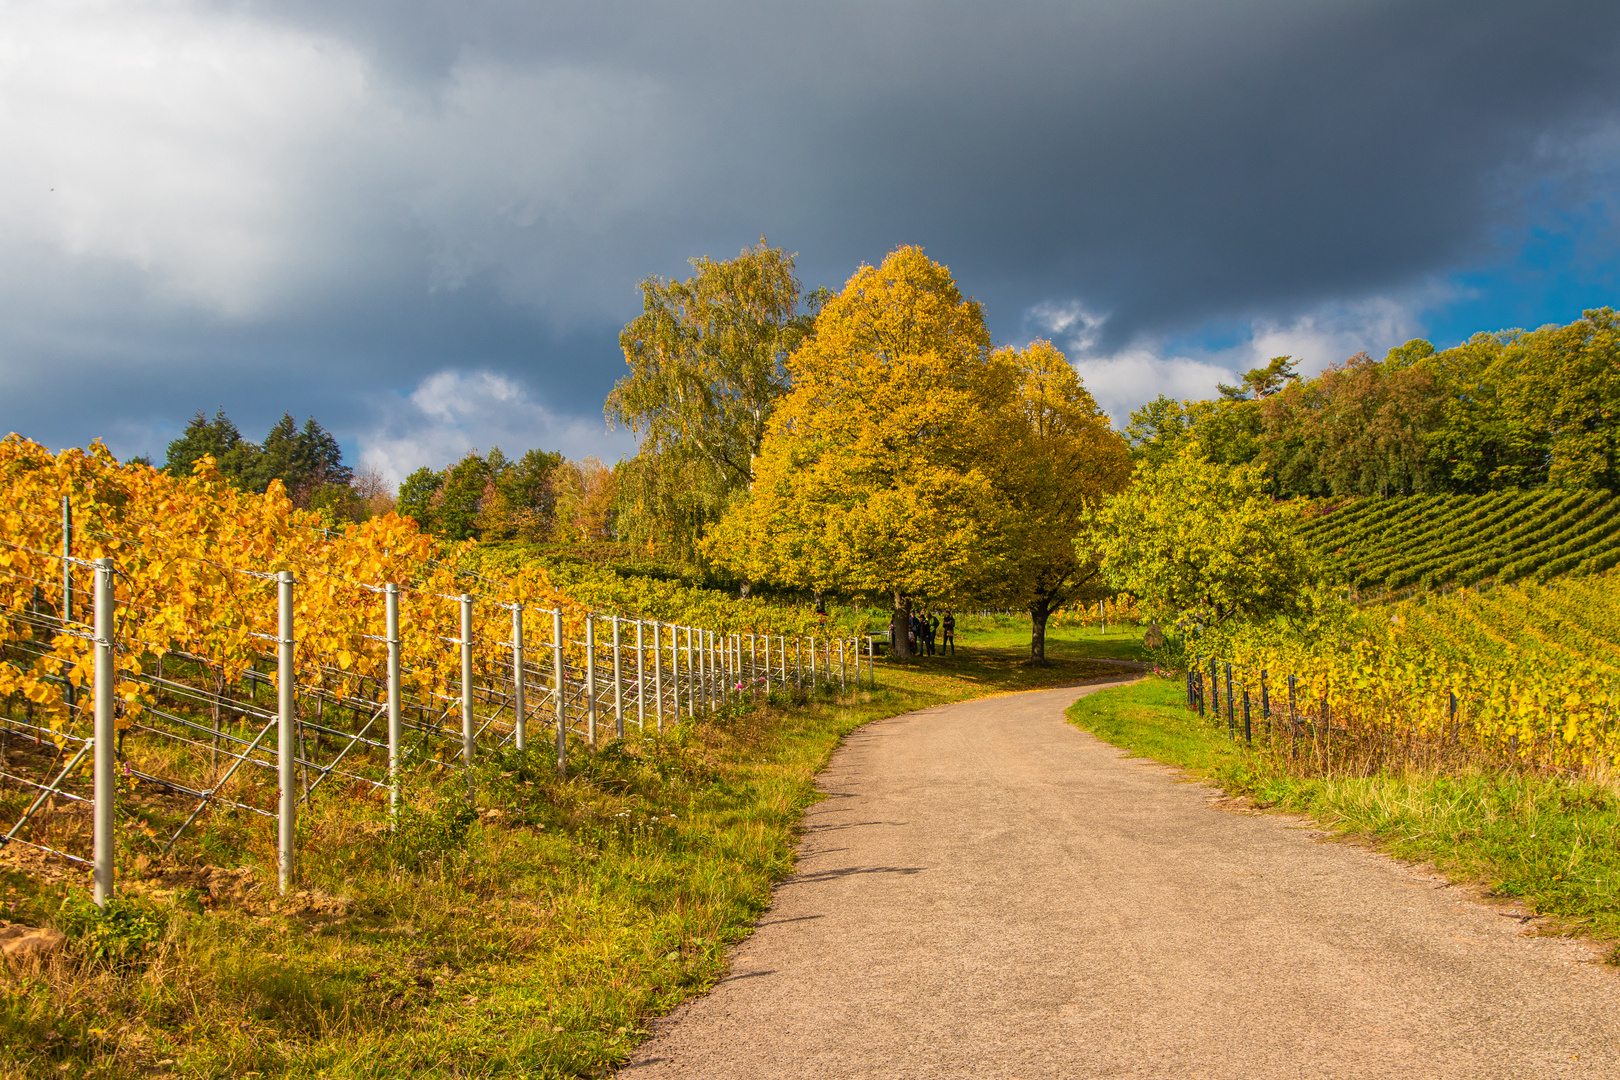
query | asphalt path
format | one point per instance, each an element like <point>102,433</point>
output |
<point>987,891</point>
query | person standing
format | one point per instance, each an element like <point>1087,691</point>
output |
<point>933,631</point>
<point>949,640</point>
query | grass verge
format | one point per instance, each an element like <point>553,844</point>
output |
<point>1552,841</point>
<point>534,935</point>
<point>1063,642</point>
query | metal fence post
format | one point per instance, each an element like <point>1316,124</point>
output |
<point>812,664</point>
<point>1293,718</point>
<point>1265,702</point>
<point>1248,725</point>
<point>1231,716</point>
<point>618,684</point>
<point>466,684</point>
<point>520,707</point>
<point>691,697</point>
<point>67,554</point>
<point>106,735</point>
<point>842,672</point>
<point>391,632</point>
<point>871,667</point>
<point>658,676</point>
<point>559,690</point>
<point>67,586</point>
<point>702,670</point>
<point>675,671</point>
<point>641,679</point>
<point>286,819</point>
<point>590,680</point>
<point>675,675</point>
<point>798,663</point>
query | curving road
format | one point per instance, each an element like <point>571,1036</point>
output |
<point>987,891</point>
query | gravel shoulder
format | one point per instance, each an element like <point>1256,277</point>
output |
<point>987,891</point>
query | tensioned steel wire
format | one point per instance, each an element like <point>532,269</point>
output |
<point>196,709</point>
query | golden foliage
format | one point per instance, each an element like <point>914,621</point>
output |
<point>195,560</point>
<point>873,478</point>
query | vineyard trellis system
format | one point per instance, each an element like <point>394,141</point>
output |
<point>195,731</point>
<point>1420,542</point>
<point>1353,727</point>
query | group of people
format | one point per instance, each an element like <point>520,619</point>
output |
<point>924,631</point>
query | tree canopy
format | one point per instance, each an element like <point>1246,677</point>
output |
<point>1198,539</point>
<point>1058,461</point>
<point>707,366</point>
<point>488,496</point>
<point>873,477</point>
<point>308,461</point>
<point>1513,409</point>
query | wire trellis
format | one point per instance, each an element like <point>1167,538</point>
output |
<point>186,736</point>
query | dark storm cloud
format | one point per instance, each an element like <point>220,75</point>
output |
<point>379,192</point>
<point>1166,161</point>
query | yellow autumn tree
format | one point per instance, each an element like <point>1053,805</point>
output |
<point>874,477</point>
<point>1058,460</point>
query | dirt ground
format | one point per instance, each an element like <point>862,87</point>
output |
<point>987,891</point>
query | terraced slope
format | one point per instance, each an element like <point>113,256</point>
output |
<point>1435,540</point>
<point>1525,673</point>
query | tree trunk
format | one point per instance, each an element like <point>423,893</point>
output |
<point>902,626</point>
<point>1039,611</point>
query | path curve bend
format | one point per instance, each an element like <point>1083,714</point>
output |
<point>987,891</point>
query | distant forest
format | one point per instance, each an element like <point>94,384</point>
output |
<point>307,461</point>
<point>539,496</point>
<point>1510,410</point>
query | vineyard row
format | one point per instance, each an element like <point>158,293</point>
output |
<point>187,740</point>
<point>1430,541</point>
<point>1357,722</point>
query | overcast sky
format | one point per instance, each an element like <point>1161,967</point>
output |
<point>424,223</point>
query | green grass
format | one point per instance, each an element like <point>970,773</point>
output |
<point>1010,634</point>
<point>1548,840</point>
<point>535,937</point>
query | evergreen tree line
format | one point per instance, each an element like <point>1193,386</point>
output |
<point>308,461</point>
<point>1510,410</point>
<point>540,496</point>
